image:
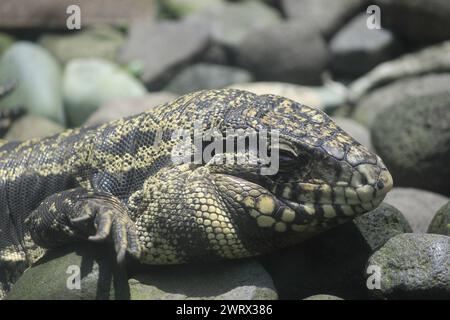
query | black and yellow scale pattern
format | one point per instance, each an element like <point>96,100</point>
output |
<point>117,181</point>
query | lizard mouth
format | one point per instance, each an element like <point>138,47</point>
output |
<point>306,206</point>
<point>340,199</point>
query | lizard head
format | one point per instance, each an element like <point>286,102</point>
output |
<point>324,177</point>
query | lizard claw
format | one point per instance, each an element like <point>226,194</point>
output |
<point>117,226</point>
<point>77,214</point>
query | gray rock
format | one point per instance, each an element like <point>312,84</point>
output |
<point>38,78</point>
<point>280,53</point>
<point>206,76</point>
<point>100,42</point>
<point>432,59</point>
<point>326,16</point>
<point>393,94</point>
<point>230,23</point>
<point>381,224</point>
<point>413,139</point>
<point>420,22</point>
<point>121,108</point>
<point>414,266</point>
<point>230,280</point>
<point>356,130</point>
<point>418,206</point>
<point>356,49</point>
<point>45,14</point>
<point>216,54</point>
<point>162,49</point>
<point>54,276</point>
<point>89,83</point>
<point>29,127</point>
<point>441,221</point>
<point>335,261</point>
<point>323,297</point>
<point>325,98</point>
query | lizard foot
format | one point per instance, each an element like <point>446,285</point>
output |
<point>78,214</point>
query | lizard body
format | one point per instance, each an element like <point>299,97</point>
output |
<point>118,181</point>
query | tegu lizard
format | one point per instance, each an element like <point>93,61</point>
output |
<point>118,182</point>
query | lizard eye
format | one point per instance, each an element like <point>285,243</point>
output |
<point>286,156</point>
<point>286,153</point>
<point>290,160</point>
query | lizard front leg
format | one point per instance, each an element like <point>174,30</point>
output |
<point>79,214</point>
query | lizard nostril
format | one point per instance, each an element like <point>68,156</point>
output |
<point>380,185</point>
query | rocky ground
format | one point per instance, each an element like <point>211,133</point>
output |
<point>389,88</point>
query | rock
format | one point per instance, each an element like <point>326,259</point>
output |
<point>324,15</point>
<point>29,127</point>
<point>325,98</point>
<point>413,139</point>
<point>182,8</point>
<point>323,297</point>
<point>100,42</point>
<point>441,221</point>
<point>417,21</point>
<point>5,42</point>
<point>24,14</point>
<point>335,261</point>
<point>206,76</point>
<point>418,206</point>
<point>414,266</point>
<point>392,94</point>
<point>356,49</point>
<point>230,23</point>
<point>229,280</point>
<point>54,276</point>
<point>433,59</point>
<point>356,130</point>
<point>162,49</point>
<point>215,54</point>
<point>89,83</point>
<point>381,224</point>
<point>279,53</point>
<point>121,108</point>
<point>38,78</point>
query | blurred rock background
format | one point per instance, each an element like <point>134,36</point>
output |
<point>388,87</point>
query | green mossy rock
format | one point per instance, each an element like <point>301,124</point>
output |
<point>441,221</point>
<point>381,224</point>
<point>38,78</point>
<point>29,127</point>
<point>233,280</point>
<point>5,42</point>
<point>323,297</point>
<point>100,42</point>
<point>89,83</point>
<point>182,8</point>
<point>413,139</point>
<point>53,276</point>
<point>413,266</point>
<point>335,261</point>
